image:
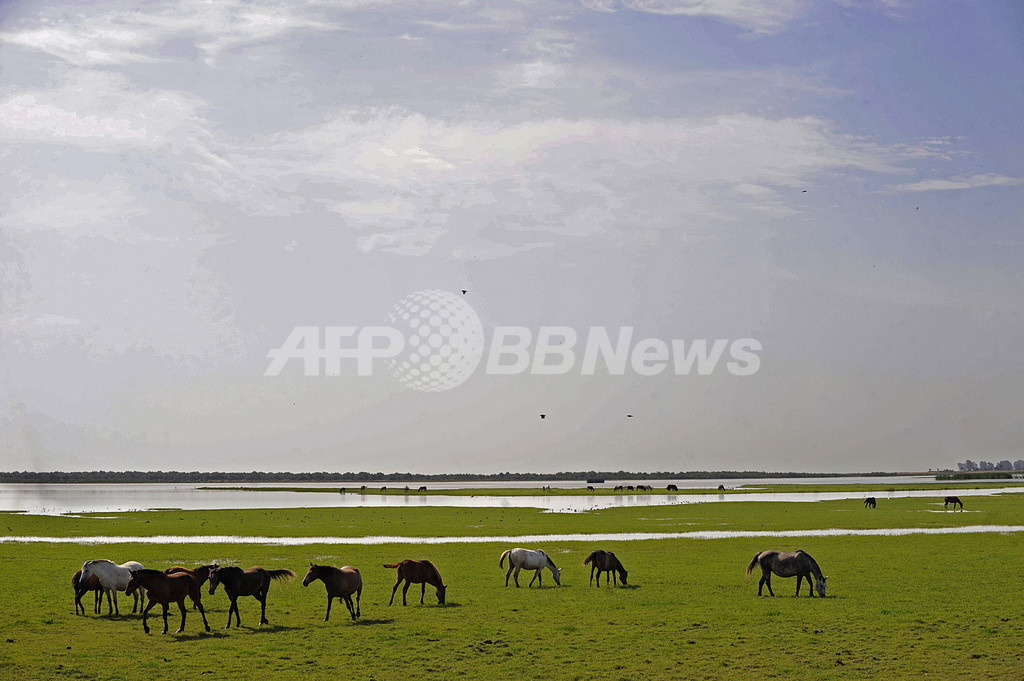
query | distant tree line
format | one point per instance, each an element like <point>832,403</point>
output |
<point>364,476</point>
<point>1004,465</point>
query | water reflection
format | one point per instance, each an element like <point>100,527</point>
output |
<point>521,539</point>
<point>54,499</point>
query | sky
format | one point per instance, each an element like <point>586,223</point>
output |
<point>184,183</point>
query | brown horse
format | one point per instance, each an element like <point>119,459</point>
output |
<point>796,563</point>
<point>421,572</point>
<point>166,589</point>
<point>605,561</point>
<point>254,581</point>
<point>92,584</point>
<point>340,582</point>
<point>952,500</point>
<point>200,574</point>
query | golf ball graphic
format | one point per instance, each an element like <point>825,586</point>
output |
<point>444,340</point>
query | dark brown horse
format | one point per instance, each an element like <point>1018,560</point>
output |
<point>254,581</point>
<point>795,563</point>
<point>92,584</point>
<point>421,572</point>
<point>952,500</point>
<point>605,561</point>
<point>166,589</point>
<point>869,502</point>
<point>340,583</point>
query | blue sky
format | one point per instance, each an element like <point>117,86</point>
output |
<point>185,182</point>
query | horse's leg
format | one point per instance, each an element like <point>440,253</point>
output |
<point>181,606</point>
<point>594,565</point>
<point>197,604</point>
<point>423,590</point>
<point>329,599</point>
<point>233,608</point>
<point>351,608</point>
<point>516,576</point>
<point>359,594</point>
<point>405,590</point>
<point>116,610</point>
<point>164,606</point>
<point>393,590</point>
<point>262,597</point>
<point>145,613</point>
<point>511,567</point>
<point>535,576</point>
<point>799,578</point>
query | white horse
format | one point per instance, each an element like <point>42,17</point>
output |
<point>113,578</point>
<point>531,560</point>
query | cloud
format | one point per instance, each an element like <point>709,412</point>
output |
<point>759,15</point>
<point>119,37</point>
<point>959,182</point>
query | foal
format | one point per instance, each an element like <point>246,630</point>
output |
<point>340,582</point>
<point>419,572</point>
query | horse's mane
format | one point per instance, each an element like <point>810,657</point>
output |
<point>814,564</point>
<point>434,568</point>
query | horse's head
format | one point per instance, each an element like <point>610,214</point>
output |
<point>311,575</point>
<point>557,572</point>
<point>440,593</point>
<point>820,584</point>
<point>622,576</point>
<point>214,579</point>
<point>87,571</point>
<point>133,583</point>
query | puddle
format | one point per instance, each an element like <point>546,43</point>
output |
<point>519,539</point>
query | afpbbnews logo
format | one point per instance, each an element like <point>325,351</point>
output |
<point>434,341</point>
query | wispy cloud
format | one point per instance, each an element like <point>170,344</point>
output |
<point>757,15</point>
<point>959,182</point>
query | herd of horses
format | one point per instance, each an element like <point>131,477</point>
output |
<point>177,583</point>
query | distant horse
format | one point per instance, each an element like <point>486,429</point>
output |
<point>421,572</point>
<point>254,581</point>
<point>519,559</point>
<point>952,500</point>
<point>869,502</point>
<point>423,488</point>
<point>81,588</point>
<point>672,488</point>
<point>165,589</point>
<point>789,564</point>
<point>340,582</point>
<point>605,561</point>
<point>113,578</point>
<point>618,488</point>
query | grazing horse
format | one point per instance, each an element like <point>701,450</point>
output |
<point>952,500</point>
<point>671,488</point>
<point>605,561</point>
<point>81,588</point>
<point>869,502</point>
<point>519,559</point>
<point>166,589</point>
<point>421,572</point>
<point>254,581</point>
<point>783,564</point>
<point>113,578</point>
<point>340,582</point>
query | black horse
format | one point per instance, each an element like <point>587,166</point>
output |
<point>869,502</point>
<point>952,500</point>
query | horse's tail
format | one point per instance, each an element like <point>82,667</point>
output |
<point>281,574</point>
<point>591,557</point>
<point>501,561</point>
<point>753,562</point>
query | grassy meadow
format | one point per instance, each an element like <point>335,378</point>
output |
<point>897,607</point>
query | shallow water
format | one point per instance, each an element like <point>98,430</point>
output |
<point>56,499</point>
<point>519,539</point>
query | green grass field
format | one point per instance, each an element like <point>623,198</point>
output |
<point>898,607</point>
